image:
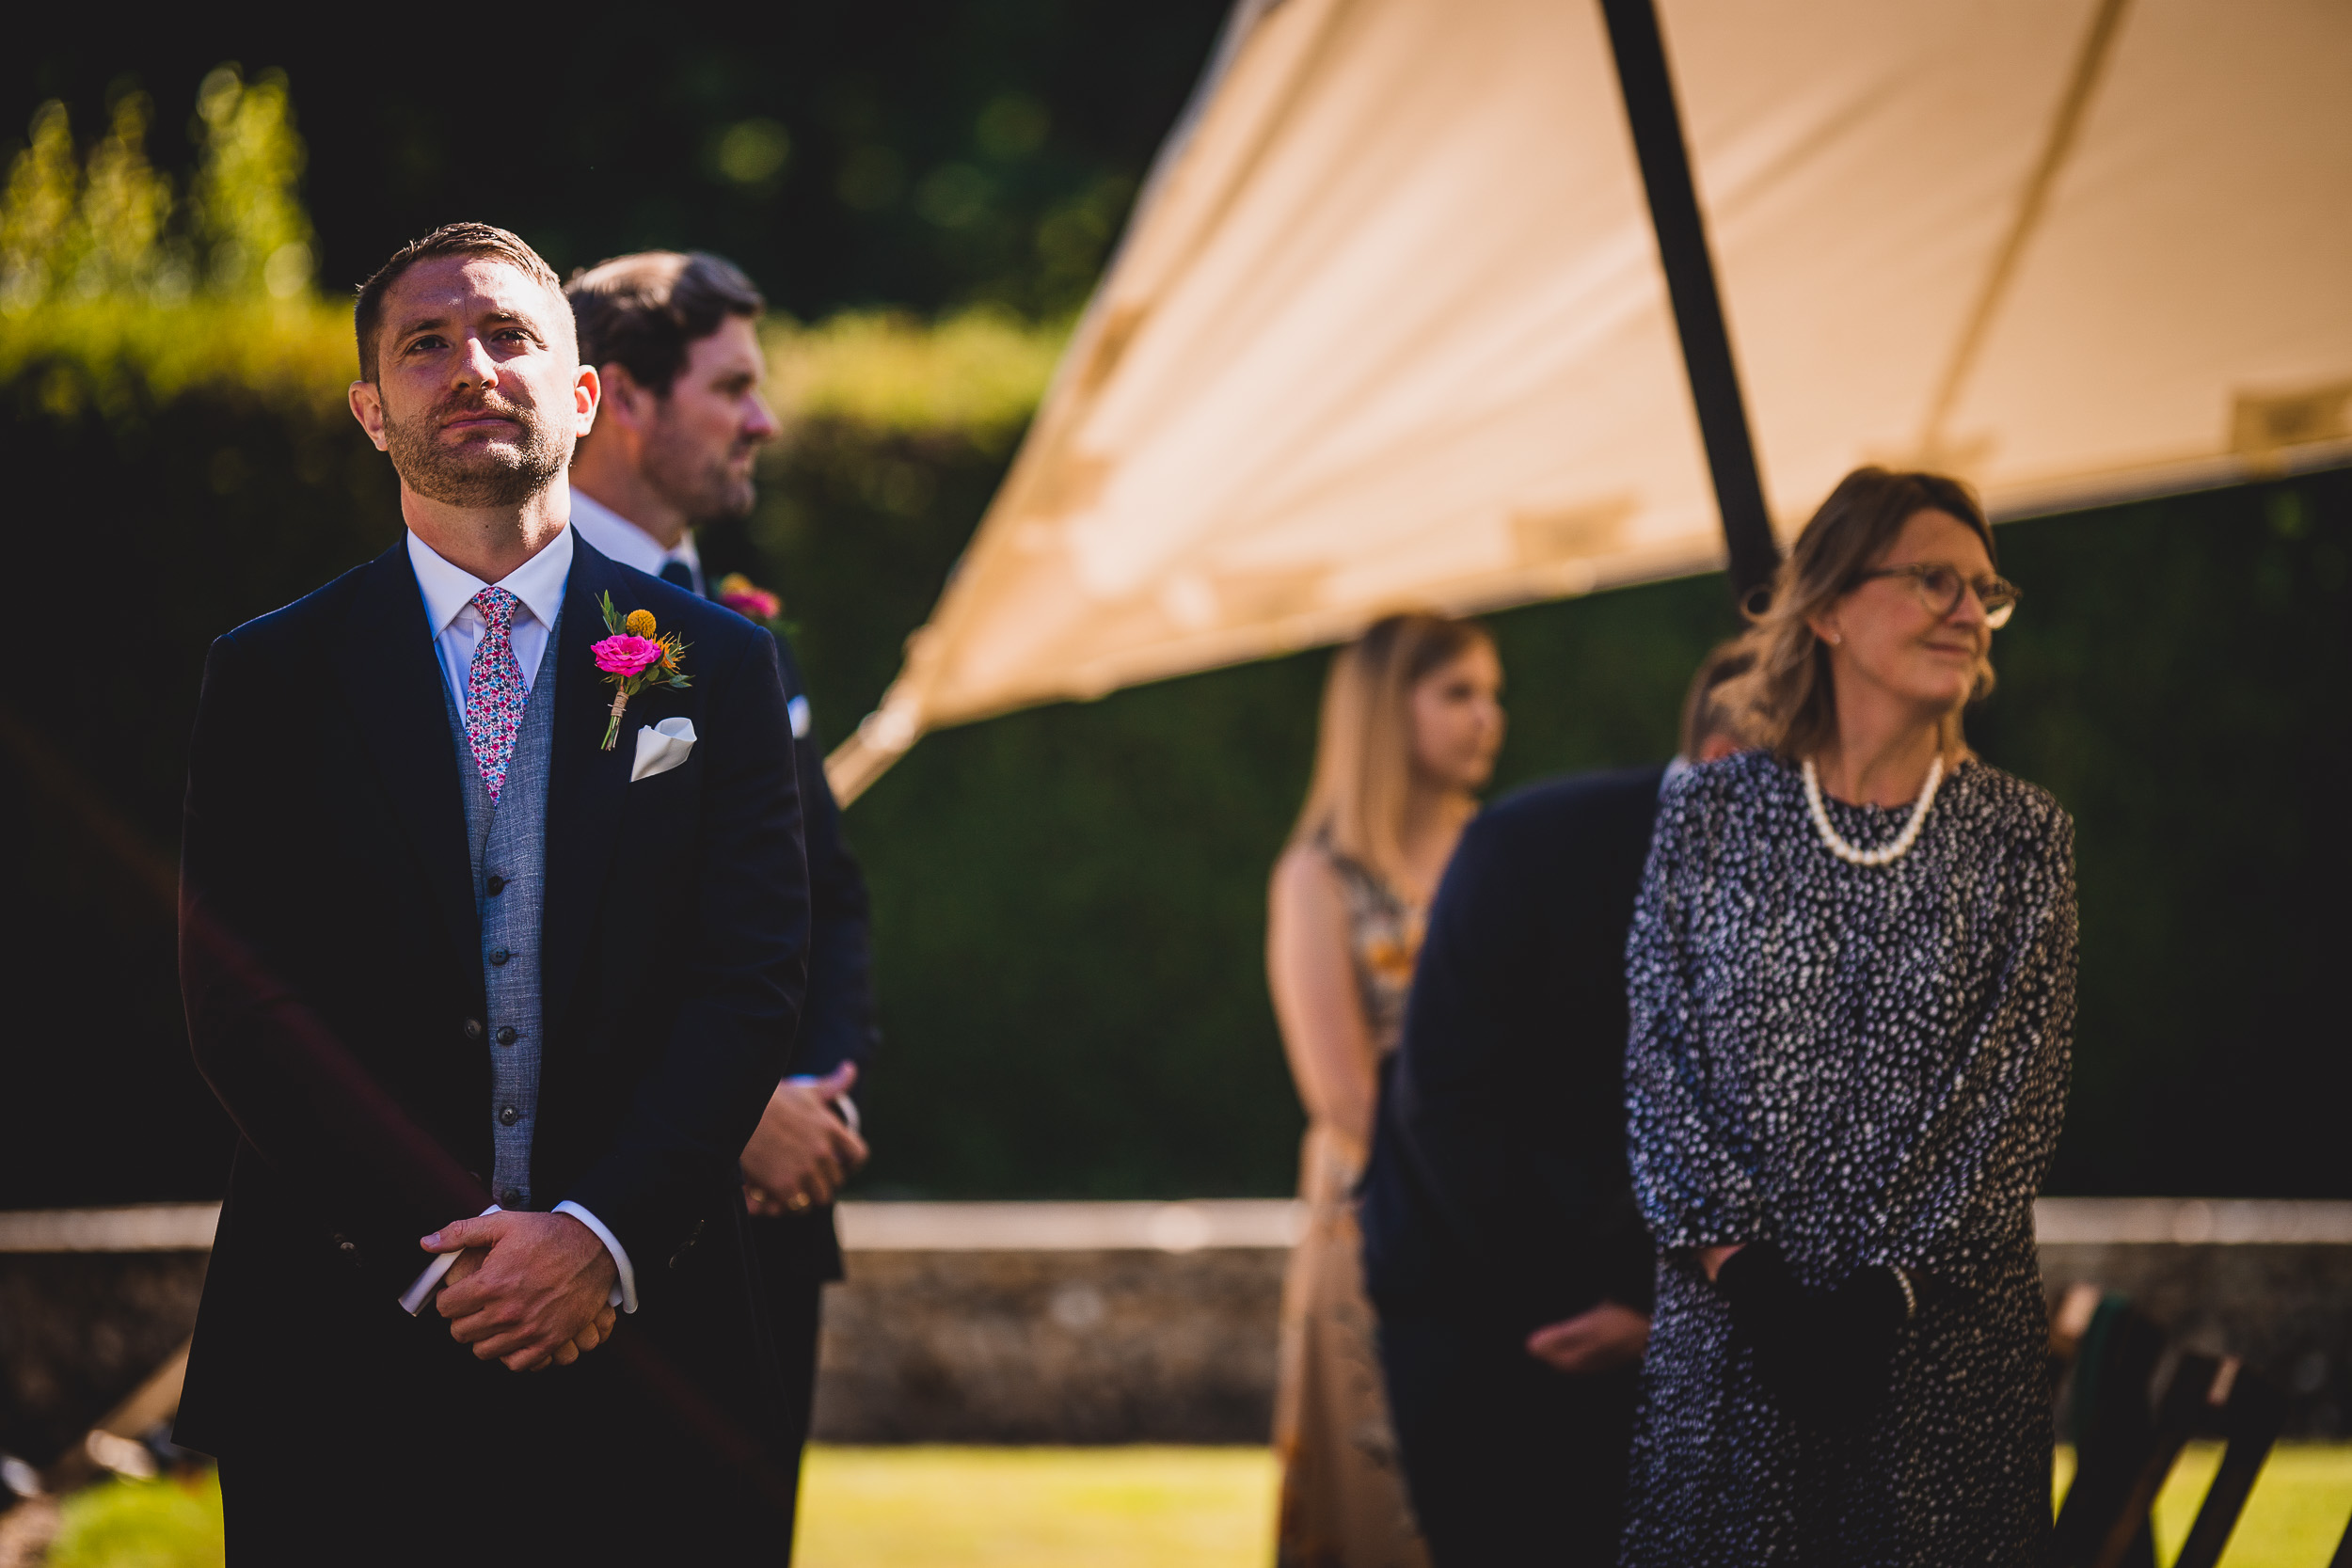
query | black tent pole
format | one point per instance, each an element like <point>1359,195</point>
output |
<point>1674,210</point>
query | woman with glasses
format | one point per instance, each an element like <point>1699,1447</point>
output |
<point>1851,973</point>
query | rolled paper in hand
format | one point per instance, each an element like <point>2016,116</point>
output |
<point>413,1300</point>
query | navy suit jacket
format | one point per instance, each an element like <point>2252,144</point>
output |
<point>837,1020</point>
<point>331,968</point>
<point>1497,1193</point>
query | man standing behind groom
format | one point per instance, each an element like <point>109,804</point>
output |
<point>674,340</point>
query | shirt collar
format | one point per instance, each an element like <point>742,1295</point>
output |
<point>448,589</point>
<point>623,540</point>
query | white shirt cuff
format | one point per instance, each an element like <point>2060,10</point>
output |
<point>413,1300</point>
<point>625,1292</point>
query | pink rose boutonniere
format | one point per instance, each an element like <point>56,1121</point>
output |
<point>754,603</point>
<point>636,655</point>
<point>748,599</point>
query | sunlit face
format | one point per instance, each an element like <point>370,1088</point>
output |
<point>1883,633</point>
<point>1457,719</point>
<point>706,431</point>
<point>479,393</point>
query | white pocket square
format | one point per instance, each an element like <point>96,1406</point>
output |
<point>661,747</point>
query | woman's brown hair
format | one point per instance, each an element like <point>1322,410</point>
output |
<point>1787,693</point>
<point>1365,748</point>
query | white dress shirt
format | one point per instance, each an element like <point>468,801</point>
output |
<point>457,626</point>
<point>631,545</point>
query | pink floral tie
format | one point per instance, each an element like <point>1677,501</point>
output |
<point>495,693</point>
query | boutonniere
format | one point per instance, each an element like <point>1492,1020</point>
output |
<point>754,603</point>
<point>636,655</point>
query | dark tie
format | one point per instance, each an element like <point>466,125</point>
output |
<point>678,572</point>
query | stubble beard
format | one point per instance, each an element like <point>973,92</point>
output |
<point>705,490</point>
<point>477,475</point>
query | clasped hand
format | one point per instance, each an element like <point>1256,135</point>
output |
<point>531,1291</point>
<point>1824,1354</point>
<point>802,1151</point>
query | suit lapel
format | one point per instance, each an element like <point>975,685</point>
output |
<point>393,675</point>
<point>586,783</point>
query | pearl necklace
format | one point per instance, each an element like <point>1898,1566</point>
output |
<point>1903,841</point>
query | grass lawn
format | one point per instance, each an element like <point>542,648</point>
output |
<point>1037,1508</point>
<point>1130,1508</point>
<point>2293,1519</point>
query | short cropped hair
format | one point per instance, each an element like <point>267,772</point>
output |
<point>1705,712</point>
<point>645,313</point>
<point>450,239</point>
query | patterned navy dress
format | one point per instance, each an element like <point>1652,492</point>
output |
<point>1868,1066</point>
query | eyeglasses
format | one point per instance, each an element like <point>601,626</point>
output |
<point>1940,588</point>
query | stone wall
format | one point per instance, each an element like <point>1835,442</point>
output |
<point>79,1331</point>
<point>1125,1322</point>
<point>1051,1347</point>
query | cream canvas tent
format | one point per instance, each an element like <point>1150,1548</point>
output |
<point>1391,327</point>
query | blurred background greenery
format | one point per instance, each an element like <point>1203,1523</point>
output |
<point>1069,902</point>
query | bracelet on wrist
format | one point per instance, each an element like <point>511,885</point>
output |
<point>1911,1297</point>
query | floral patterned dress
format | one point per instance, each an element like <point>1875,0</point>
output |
<point>1868,1066</point>
<point>1344,1503</point>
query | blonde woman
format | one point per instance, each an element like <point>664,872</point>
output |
<point>1411,724</point>
<point>1851,977</point>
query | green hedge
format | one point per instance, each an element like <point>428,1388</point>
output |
<point>1069,902</point>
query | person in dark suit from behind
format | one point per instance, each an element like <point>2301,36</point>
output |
<point>1502,1250</point>
<point>676,339</point>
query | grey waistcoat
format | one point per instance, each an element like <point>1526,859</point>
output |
<point>509,841</point>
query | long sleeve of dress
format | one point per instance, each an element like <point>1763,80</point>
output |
<point>1688,1151</point>
<point>1990,1131</point>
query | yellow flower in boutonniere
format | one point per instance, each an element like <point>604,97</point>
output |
<point>636,655</point>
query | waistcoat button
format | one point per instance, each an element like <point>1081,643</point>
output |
<point>508,1115</point>
<point>495,886</point>
<point>499,957</point>
<point>506,1034</point>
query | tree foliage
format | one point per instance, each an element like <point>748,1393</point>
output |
<point>106,226</point>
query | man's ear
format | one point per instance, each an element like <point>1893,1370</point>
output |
<point>587,397</point>
<point>622,398</point>
<point>367,407</point>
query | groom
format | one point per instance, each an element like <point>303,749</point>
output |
<point>445,952</point>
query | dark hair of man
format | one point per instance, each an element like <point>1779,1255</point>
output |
<point>1704,714</point>
<point>450,239</point>
<point>645,313</point>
